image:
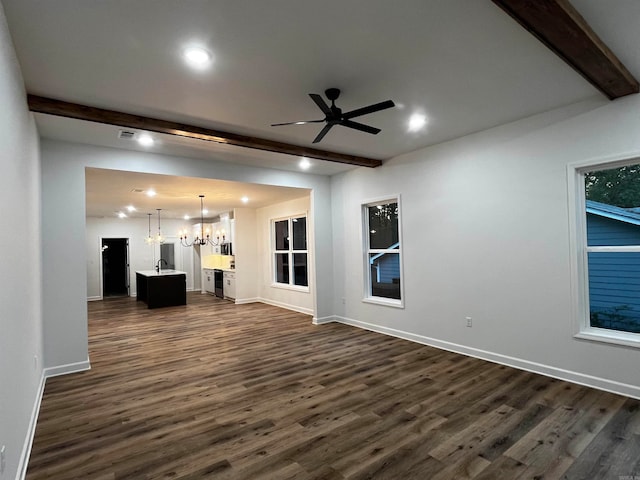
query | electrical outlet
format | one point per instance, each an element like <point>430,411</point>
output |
<point>344,301</point>
<point>35,362</point>
<point>2,459</point>
<point>469,321</point>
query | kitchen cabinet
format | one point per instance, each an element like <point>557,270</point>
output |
<point>224,228</point>
<point>229,285</point>
<point>209,285</point>
<point>165,288</point>
<point>232,230</point>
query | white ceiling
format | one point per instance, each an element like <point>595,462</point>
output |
<point>465,64</point>
<point>111,191</point>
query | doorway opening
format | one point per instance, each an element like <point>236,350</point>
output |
<point>115,267</point>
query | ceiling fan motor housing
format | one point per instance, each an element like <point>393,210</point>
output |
<point>332,93</point>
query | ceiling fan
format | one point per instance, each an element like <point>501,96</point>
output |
<point>334,115</point>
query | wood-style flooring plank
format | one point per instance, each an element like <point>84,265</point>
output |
<point>213,390</point>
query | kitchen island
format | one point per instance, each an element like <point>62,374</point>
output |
<point>165,288</point>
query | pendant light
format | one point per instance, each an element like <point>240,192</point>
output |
<point>159,239</point>
<point>149,239</point>
<point>202,239</point>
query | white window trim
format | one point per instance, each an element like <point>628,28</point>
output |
<point>290,252</point>
<point>578,250</point>
<point>366,297</point>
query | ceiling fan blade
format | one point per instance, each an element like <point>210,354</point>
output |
<point>297,123</point>
<point>370,109</point>
<point>360,126</point>
<point>321,103</point>
<point>323,132</point>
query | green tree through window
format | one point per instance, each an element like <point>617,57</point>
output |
<point>618,186</point>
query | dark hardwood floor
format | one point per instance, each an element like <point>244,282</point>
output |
<point>223,391</point>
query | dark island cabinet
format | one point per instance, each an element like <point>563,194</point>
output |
<point>161,289</point>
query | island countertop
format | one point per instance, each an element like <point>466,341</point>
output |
<point>153,273</point>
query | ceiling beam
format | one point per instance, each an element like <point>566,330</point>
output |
<point>558,25</point>
<point>110,117</point>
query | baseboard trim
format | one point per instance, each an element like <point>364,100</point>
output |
<point>295,308</point>
<point>539,368</point>
<point>31,431</point>
<point>94,299</point>
<point>66,369</point>
<point>242,301</point>
<point>323,320</point>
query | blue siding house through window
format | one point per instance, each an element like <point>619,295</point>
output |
<point>614,277</point>
<point>388,268</point>
<point>385,273</point>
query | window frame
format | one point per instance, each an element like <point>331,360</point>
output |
<point>290,253</point>
<point>580,250</point>
<point>367,296</point>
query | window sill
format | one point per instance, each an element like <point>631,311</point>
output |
<point>295,288</point>
<point>609,336</point>
<point>387,302</point>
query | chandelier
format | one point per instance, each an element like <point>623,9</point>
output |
<point>202,239</point>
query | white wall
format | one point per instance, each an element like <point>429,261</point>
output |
<point>65,260</point>
<point>20,275</point>
<point>245,249</point>
<point>292,299</point>
<point>141,255</point>
<point>485,228</point>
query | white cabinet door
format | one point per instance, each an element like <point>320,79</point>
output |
<point>230,285</point>
<point>209,285</point>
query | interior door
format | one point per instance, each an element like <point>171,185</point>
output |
<point>115,267</point>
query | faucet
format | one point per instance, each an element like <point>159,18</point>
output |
<point>158,264</point>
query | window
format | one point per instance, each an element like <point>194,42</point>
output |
<point>290,253</point>
<point>383,261</point>
<point>608,240</point>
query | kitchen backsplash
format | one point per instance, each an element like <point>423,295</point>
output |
<point>217,261</point>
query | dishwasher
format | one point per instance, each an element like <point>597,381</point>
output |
<point>218,282</point>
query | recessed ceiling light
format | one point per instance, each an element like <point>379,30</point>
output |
<point>197,57</point>
<point>416,122</point>
<point>131,208</point>
<point>122,215</point>
<point>305,164</point>
<point>205,211</point>
<point>145,140</point>
<point>186,217</point>
<point>244,199</point>
<point>151,193</point>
